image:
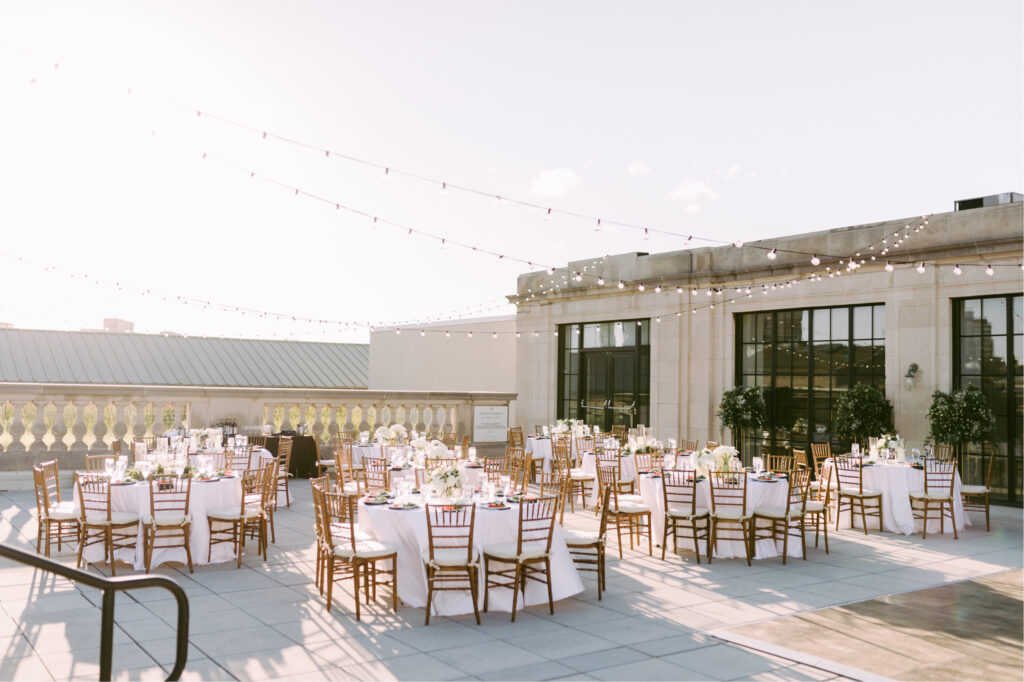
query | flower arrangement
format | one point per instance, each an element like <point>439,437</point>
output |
<point>420,443</point>
<point>447,479</point>
<point>382,433</point>
<point>398,432</point>
<point>437,449</point>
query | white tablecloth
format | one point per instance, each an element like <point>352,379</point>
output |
<point>627,473</point>
<point>897,481</point>
<point>360,451</point>
<point>205,495</point>
<point>407,530</point>
<point>759,494</point>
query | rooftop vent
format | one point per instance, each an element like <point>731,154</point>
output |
<point>991,200</point>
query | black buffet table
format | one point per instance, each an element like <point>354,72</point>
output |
<point>303,464</point>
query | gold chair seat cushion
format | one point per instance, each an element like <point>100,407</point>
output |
<point>351,487</point>
<point>813,507</point>
<point>327,462</point>
<point>581,475</point>
<point>116,518</point>
<point>449,557</point>
<point>507,551</point>
<point>365,549</point>
<point>63,511</point>
<point>778,513</point>
<point>853,492</point>
<point>581,538</point>
<point>967,490</point>
<point>233,513</point>
<point>166,518</point>
<point>730,514</point>
<point>678,512</point>
<point>931,497</point>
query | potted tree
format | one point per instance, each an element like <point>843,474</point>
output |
<point>960,418</point>
<point>862,412</point>
<point>743,412</point>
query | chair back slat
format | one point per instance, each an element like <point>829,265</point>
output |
<point>339,517</point>
<point>780,463</point>
<point>939,476</point>
<point>93,495</point>
<point>169,493</point>
<point>849,472</point>
<point>679,488</point>
<point>378,473</point>
<point>688,445</point>
<point>711,444</point>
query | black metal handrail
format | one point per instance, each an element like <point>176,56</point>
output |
<point>110,587</point>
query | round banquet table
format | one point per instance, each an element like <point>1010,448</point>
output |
<point>759,494</point>
<point>203,496</point>
<point>627,473</point>
<point>360,451</point>
<point>407,530</point>
<point>539,447</point>
<point>897,481</point>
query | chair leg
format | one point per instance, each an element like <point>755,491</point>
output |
<point>487,587</point>
<point>430,594</point>
<point>39,535</point>
<point>547,576</point>
<point>515,590</point>
<point>924,523</point>
<point>474,588</point>
<point>355,575</point>
<point>188,547</point>
<point>988,527</point>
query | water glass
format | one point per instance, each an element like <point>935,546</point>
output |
<point>758,465</point>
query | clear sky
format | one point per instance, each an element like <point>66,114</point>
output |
<point>732,120</point>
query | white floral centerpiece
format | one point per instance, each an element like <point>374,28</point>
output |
<point>420,444</point>
<point>886,441</point>
<point>437,449</point>
<point>398,432</point>
<point>563,426</point>
<point>382,434</point>
<point>447,479</point>
<point>725,455</point>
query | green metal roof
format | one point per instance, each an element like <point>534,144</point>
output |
<point>58,357</point>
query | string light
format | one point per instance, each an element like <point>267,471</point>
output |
<point>888,266</point>
<point>956,270</point>
<point>772,254</point>
<point>920,268</point>
<point>815,260</point>
<point>640,287</point>
<point>622,285</point>
<point>989,271</point>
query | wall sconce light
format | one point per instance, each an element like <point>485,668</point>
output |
<point>909,379</point>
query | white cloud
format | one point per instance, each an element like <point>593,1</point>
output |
<point>638,168</point>
<point>554,182</point>
<point>692,191</point>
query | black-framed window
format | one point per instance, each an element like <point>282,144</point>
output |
<point>604,372</point>
<point>805,359</point>
<point>988,352</point>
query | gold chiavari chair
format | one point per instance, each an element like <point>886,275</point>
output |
<point>232,524</point>
<point>584,444</point>
<point>241,458</point>
<point>465,446</point>
<point>98,523</point>
<point>549,484</point>
<point>218,460</point>
<point>352,555</point>
<point>635,516</point>
<point>538,429</point>
<point>350,478</point>
<point>937,496</point>
<point>849,473</point>
<point>95,464</point>
<point>711,445</point>
<point>817,510</point>
<point>51,511</point>
<point>611,458</point>
<point>821,451</point>
<point>787,520</point>
<point>587,548</point>
<point>649,461</point>
<point>821,483</point>
<point>942,452</point>
<point>493,467</point>
<point>619,432</point>
<point>688,445</point>
<point>256,441</point>
<point>169,522</point>
<point>528,558</point>
<point>284,462</point>
<point>515,437</point>
<point>450,559</point>
<point>800,460</point>
<point>317,486</point>
<point>679,488</point>
<point>729,510</point>
<point>780,463</point>
<point>975,497</point>
<point>378,473</point>
<point>325,465</point>
<point>575,480</point>
<point>450,438</point>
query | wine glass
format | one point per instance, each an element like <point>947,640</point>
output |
<point>758,465</point>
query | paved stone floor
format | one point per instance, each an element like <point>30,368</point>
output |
<point>658,620</point>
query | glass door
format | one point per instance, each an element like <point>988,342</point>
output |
<point>609,388</point>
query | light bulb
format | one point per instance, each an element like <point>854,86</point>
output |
<point>694,292</point>
<point>679,290</point>
<point>657,319</point>
<point>469,334</point>
<point>647,235</point>
<point>956,270</point>
<point>494,335</point>
<point>815,260</point>
<point>444,189</point>
<point>551,271</point>
<point>888,266</point>
<point>547,215</point>
<point>641,287</point>
<point>398,332</point>
<point>989,271</point>
<point>920,268</point>
<point>738,243</point>
<point>447,335</point>
<point>622,285</point>
<point>600,281</point>
<point>708,292</point>
<point>423,333</point>
<point>657,289</point>
<point>772,254</point>
<point>386,175</point>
